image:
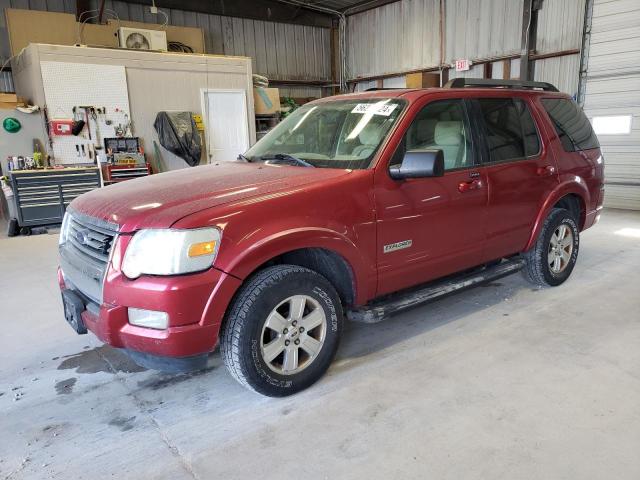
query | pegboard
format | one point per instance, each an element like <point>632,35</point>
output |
<point>68,85</point>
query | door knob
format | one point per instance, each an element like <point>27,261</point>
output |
<point>546,171</point>
<point>468,186</point>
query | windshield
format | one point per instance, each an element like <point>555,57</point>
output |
<point>336,134</point>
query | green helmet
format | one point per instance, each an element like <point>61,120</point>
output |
<point>11,125</point>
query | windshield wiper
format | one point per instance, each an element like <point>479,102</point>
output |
<point>286,158</point>
<point>242,157</point>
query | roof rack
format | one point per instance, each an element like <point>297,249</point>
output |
<point>496,83</point>
<point>375,89</point>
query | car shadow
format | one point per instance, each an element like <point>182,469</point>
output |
<point>362,339</point>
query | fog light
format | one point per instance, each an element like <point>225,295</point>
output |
<point>148,318</point>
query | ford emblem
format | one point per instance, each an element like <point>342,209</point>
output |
<point>82,237</point>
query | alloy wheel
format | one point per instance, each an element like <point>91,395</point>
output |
<point>293,335</point>
<point>560,249</point>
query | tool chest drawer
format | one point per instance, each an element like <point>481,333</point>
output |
<point>42,196</point>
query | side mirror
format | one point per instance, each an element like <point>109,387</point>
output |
<point>419,164</point>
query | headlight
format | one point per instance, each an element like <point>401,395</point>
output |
<point>170,252</point>
<point>64,229</point>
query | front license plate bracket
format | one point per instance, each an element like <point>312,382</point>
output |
<point>73,308</point>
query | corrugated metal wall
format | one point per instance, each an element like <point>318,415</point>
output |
<point>396,37</point>
<point>405,36</point>
<point>613,88</point>
<point>478,29</point>
<point>560,25</point>
<point>563,72</point>
<point>278,50</point>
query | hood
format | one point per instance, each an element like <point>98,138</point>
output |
<point>158,201</point>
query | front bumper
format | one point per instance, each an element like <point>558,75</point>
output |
<point>196,305</point>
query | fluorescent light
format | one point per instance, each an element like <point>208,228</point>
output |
<point>612,125</point>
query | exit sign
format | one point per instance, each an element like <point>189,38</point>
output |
<point>462,65</point>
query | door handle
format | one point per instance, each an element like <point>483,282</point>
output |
<point>470,185</point>
<point>546,171</point>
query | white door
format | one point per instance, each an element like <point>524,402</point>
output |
<point>227,125</point>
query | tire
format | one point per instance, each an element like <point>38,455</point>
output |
<point>253,331</point>
<point>550,263</point>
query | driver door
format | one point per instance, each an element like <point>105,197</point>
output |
<point>431,227</point>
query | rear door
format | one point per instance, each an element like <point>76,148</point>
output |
<point>521,171</point>
<point>430,227</point>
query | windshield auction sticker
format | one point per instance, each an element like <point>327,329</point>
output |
<point>384,109</point>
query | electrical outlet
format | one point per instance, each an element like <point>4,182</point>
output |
<point>153,9</point>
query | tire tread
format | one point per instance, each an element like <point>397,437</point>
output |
<point>237,316</point>
<point>534,262</point>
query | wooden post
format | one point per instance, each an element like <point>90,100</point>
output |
<point>506,69</point>
<point>488,70</point>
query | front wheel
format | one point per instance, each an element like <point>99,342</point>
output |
<point>552,258</point>
<point>282,330</point>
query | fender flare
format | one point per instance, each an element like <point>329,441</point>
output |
<point>245,259</point>
<point>573,185</point>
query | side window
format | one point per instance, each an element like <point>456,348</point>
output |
<point>572,125</point>
<point>442,125</point>
<point>511,132</point>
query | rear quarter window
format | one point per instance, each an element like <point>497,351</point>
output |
<point>571,124</point>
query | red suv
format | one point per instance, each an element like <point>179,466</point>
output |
<point>355,206</point>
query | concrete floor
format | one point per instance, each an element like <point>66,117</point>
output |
<point>503,381</point>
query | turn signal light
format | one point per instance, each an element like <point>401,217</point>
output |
<point>202,248</point>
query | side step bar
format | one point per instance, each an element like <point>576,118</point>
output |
<point>377,311</point>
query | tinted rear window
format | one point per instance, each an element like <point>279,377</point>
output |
<point>511,133</point>
<point>571,124</point>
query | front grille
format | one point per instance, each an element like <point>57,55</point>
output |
<point>85,252</point>
<point>89,239</point>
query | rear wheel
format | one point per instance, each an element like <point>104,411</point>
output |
<point>552,258</point>
<point>282,331</point>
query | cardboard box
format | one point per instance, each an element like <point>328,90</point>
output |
<point>422,80</point>
<point>266,100</point>
<point>8,97</point>
<point>9,101</point>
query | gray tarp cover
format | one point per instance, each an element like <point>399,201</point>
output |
<point>178,134</point>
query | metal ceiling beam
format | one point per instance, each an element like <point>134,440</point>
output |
<point>270,10</point>
<point>365,5</point>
